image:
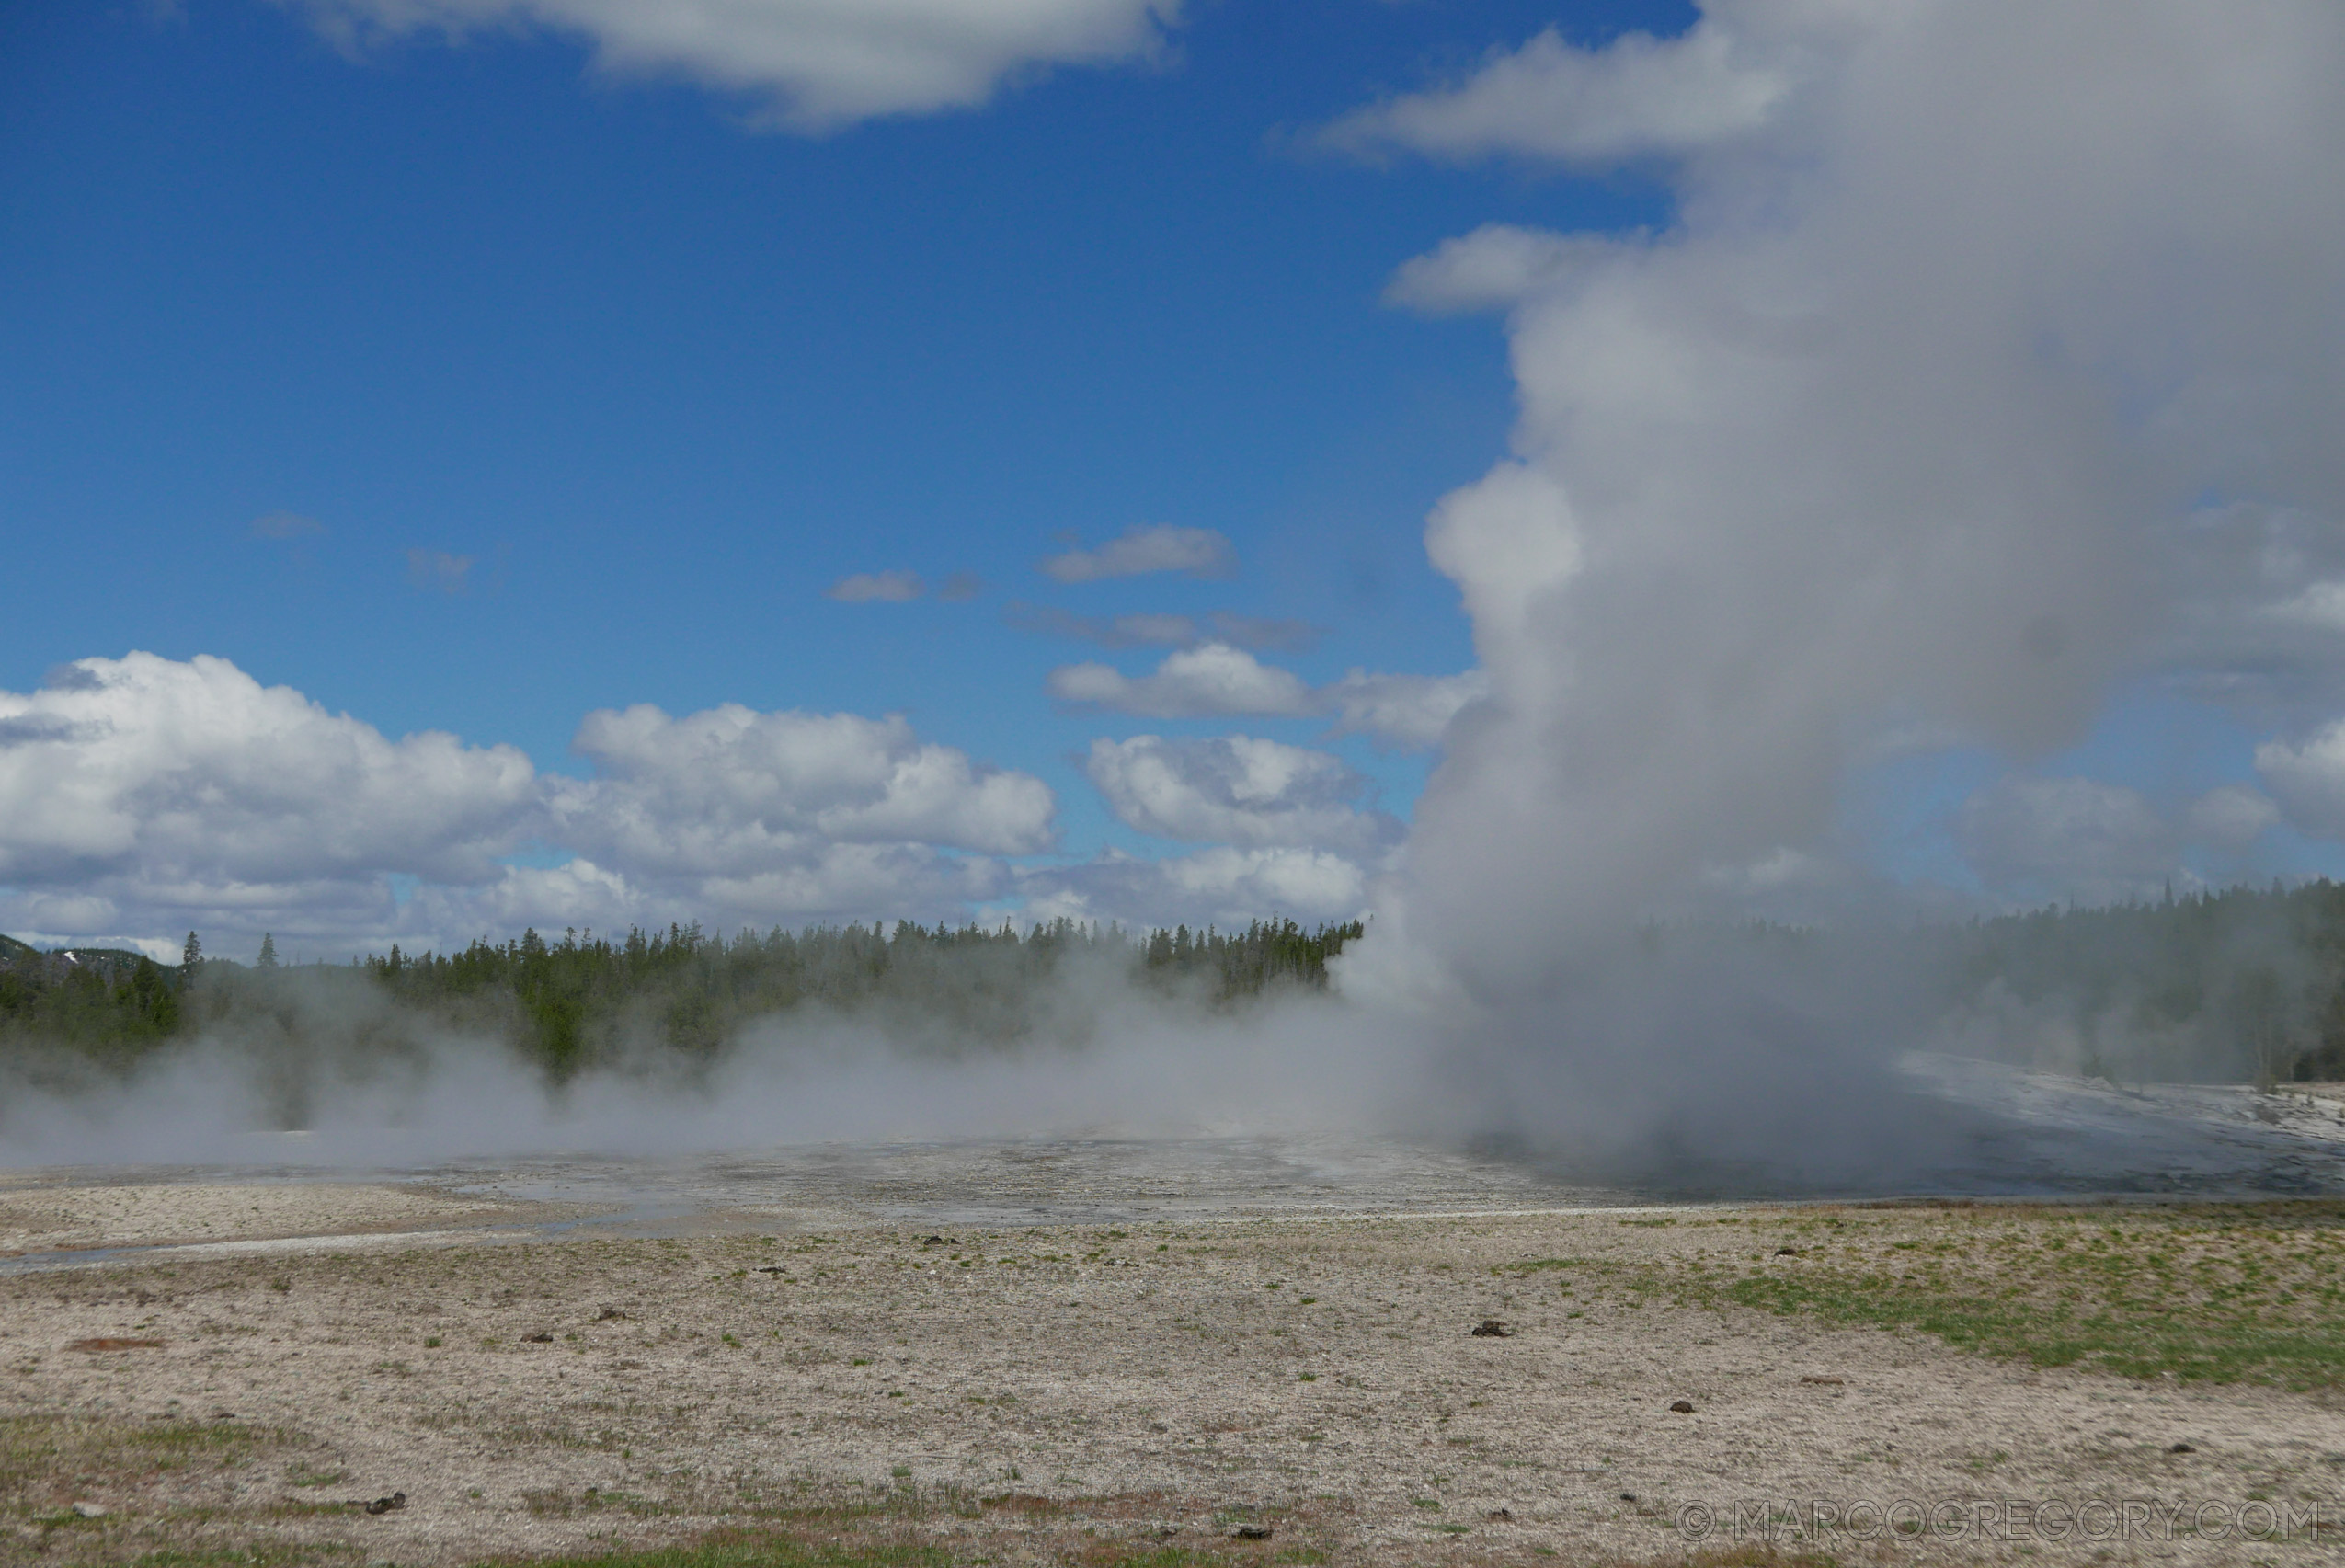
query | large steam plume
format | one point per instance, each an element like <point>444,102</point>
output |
<point>1968,308</point>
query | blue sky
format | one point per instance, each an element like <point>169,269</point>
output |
<point>665,379</point>
<point>461,384</point>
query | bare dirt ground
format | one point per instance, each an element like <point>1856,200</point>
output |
<point>866,1347</point>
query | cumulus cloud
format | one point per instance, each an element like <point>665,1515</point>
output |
<point>1220,887</point>
<point>142,796</point>
<point>732,790</point>
<point>1637,96</point>
<point>1215,679</point>
<point>2087,840</point>
<point>813,64</point>
<point>2066,838</point>
<point>1964,314</point>
<point>877,587</point>
<point>2258,623</point>
<point>1494,267</point>
<point>142,785</point>
<point>1194,551</point>
<point>1411,712</point>
<point>2307,778</point>
<point>1238,790</point>
<point>1212,680</point>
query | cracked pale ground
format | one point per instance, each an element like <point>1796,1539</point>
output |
<point>1062,1393</point>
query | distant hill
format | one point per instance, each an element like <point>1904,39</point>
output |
<point>30,963</point>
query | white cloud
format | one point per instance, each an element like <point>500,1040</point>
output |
<point>1215,679</point>
<point>1197,552</point>
<point>2071,838</point>
<point>142,796</point>
<point>2259,623</point>
<point>1238,790</point>
<point>882,587</point>
<point>1637,96</point>
<point>195,772</point>
<point>2307,778</point>
<point>1226,888</point>
<point>816,65</point>
<point>159,793</point>
<point>1211,680</point>
<point>1492,268</point>
<point>734,792</point>
<point>2030,840</point>
<point>1411,712</point>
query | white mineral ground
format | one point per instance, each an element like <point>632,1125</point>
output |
<point>1041,1349</point>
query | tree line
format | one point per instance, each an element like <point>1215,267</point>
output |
<point>2239,984</point>
<point>571,1002</point>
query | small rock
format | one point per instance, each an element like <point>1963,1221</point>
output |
<point>2181,1448</point>
<point>1787,1251</point>
<point>89,1510</point>
<point>1828,1382</point>
<point>1683,1406</point>
<point>397,1500</point>
<point>541,1337</point>
<point>1500,1516</point>
<point>1628,1497</point>
<point>1251,1532</point>
<point>771,1268</point>
<point>1491,1328</point>
<point>610,1315</point>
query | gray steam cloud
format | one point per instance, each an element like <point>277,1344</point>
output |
<point>1967,313</point>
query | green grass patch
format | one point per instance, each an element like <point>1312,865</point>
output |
<point>2219,1294</point>
<point>44,1454</point>
<point>256,1556</point>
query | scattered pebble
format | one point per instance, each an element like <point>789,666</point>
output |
<point>1683,1407</point>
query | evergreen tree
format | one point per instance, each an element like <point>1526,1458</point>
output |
<point>268,950</point>
<point>190,960</point>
